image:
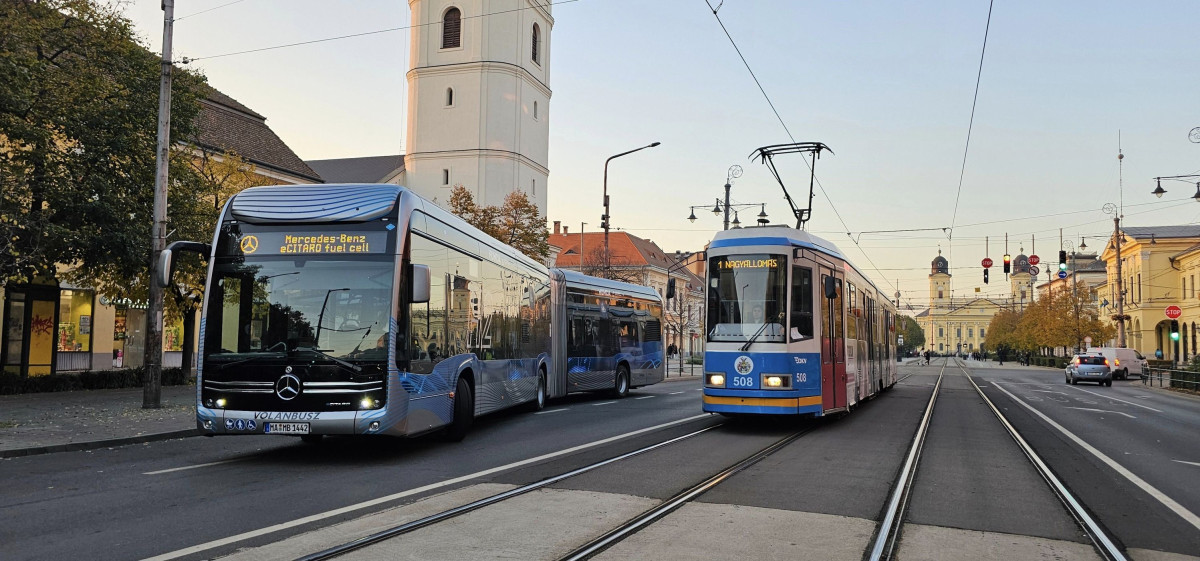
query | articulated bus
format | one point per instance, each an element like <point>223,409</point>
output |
<point>365,309</point>
<point>793,327</point>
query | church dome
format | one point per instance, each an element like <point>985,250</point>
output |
<point>1020,264</point>
<point>940,265</point>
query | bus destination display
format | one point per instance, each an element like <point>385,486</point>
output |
<point>313,243</point>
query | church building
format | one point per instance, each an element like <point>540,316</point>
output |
<point>478,104</point>
<point>953,325</point>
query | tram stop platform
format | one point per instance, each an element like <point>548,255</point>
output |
<point>40,423</point>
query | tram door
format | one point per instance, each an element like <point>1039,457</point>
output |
<point>833,342</point>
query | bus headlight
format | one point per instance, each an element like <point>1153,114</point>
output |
<point>717,380</point>
<point>776,381</point>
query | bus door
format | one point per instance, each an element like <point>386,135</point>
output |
<point>833,343</point>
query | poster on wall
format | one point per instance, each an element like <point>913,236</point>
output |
<point>85,325</point>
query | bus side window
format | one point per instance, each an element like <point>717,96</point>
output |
<point>802,304</point>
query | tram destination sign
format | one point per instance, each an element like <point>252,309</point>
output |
<point>329,242</point>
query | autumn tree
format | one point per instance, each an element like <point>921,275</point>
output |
<point>914,336</point>
<point>78,117</point>
<point>608,265</point>
<point>517,222</point>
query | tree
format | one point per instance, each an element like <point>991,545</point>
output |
<point>78,115</point>
<point>614,267</point>
<point>517,222</point>
<point>914,336</point>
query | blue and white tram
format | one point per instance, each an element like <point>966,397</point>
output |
<point>793,327</point>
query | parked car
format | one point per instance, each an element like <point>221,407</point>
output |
<point>1124,361</point>
<point>1089,367</point>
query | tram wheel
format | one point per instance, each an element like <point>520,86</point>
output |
<point>464,412</point>
<point>622,386</point>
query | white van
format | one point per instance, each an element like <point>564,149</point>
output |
<point>1124,361</point>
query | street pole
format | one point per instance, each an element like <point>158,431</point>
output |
<point>581,253</point>
<point>727,186</point>
<point>152,388</point>
<point>1120,285</point>
<point>604,220</point>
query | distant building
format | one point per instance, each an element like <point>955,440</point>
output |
<point>954,325</point>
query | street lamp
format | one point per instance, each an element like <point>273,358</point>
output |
<point>604,220</point>
<point>1159,191</point>
<point>734,172</point>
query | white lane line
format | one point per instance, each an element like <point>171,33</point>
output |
<point>645,397</point>
<point>674,393</point>
<point>1102,411</point>
<point>1189,463</point>
<point>551,411</point>
<point>603,403</point>
<point>340,511</point>
<point>1188,516</point>
<point>191,467</point>
<point>1048,391</point>
<point>1116,399</point>
<point>699,389</point>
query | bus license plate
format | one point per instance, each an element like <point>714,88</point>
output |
<point>286,428</point>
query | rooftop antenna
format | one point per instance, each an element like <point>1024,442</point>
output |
<point>766,155</point>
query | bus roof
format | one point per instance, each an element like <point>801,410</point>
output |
<point>580,280</point>
<point>314,203</point>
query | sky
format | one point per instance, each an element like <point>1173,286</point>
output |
<point>888,86</point>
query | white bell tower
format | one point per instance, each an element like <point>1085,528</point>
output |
<point>479,99</point>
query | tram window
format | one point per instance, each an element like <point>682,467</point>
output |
<point>802,305</point>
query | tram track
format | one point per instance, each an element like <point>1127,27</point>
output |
<point>888,533</point>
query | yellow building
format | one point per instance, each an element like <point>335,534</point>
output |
<point>1159,269</point>
<point>959,325</point>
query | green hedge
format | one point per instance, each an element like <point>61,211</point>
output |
<point>1050,361</point>
<point>88,380</point>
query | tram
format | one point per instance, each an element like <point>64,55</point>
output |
<point>793,327</point>
<point>365,309</point>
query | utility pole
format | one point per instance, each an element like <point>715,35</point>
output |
<point>727,187</point>
<point>152,386</point>
<point>1120,284</point>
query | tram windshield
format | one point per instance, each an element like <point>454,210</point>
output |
<point>747,297</point>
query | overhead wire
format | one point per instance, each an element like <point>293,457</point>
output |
<point>181,18</point>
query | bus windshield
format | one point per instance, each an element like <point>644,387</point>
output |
<point>747,296</point>
<point>338,307</point>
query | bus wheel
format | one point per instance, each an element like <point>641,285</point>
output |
<point>311,438</point>
<point>622,387</point>
<point>539,400</point>
<point>464,412</point>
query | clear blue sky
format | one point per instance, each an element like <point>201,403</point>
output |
<point>887,85</point>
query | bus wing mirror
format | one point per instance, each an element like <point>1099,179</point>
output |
<point>420,284</point>
<point>830,288</point>
<point>163,272</point>
<point>670,288</point>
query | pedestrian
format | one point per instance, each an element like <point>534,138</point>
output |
<point>1158,354</point>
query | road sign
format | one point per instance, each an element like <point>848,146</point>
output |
<point>1087,341</point>
<point>1034,271</point>
<point>1174,312</point>
<point>987,262</point>
<point>1062,274</point>
<point>1034,259</point>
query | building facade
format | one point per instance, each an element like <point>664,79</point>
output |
<point>959,325</point>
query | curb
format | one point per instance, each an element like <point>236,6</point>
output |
<point>95,444</point>
<point>685,378</point>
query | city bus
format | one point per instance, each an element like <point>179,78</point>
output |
<point>793,327</point>
<point>365,309</point>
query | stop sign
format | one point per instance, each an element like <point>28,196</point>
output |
<point>1174,312</point>
<point>987,262</point>
<point>1034,259</point>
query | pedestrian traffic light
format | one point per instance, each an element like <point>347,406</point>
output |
<point>1174,330</point>
<point>1007,263</point>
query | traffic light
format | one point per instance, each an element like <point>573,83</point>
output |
<point>603,221</point>
<point>1007,263</point>
<point>985,276</point>
<point>1174,330</point>
<point>1062,260</point>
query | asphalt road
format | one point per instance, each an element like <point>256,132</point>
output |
<point>1129,453</point>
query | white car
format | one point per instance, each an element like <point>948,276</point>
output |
<point>1124,361</point>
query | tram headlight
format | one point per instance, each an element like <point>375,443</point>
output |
<point>221,402</point>
<point>717,380</point>
<point>776,381</point>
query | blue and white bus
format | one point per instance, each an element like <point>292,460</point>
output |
<point>793,327</point>
<point>365,309</point>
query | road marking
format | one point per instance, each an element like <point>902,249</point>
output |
<point>603,403</point>
<point>340,511</point>
<point>644,397</point>
<point>674,393</point>
<point>1049,391</point>
<point>551,411</point>
<point>1102,411</point>
<point>1188,516</point>
<point>1189,463</point>
<point>1116,399</point>
<point>191,467</point>
<point>699,389</point>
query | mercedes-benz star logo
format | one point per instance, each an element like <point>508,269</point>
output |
<point>287,387</point>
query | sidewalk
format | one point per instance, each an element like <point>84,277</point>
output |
<point>40,423</point>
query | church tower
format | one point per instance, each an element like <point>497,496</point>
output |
<point>1022,281</point>
<point>479,99</point>
<point>939,283</point>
